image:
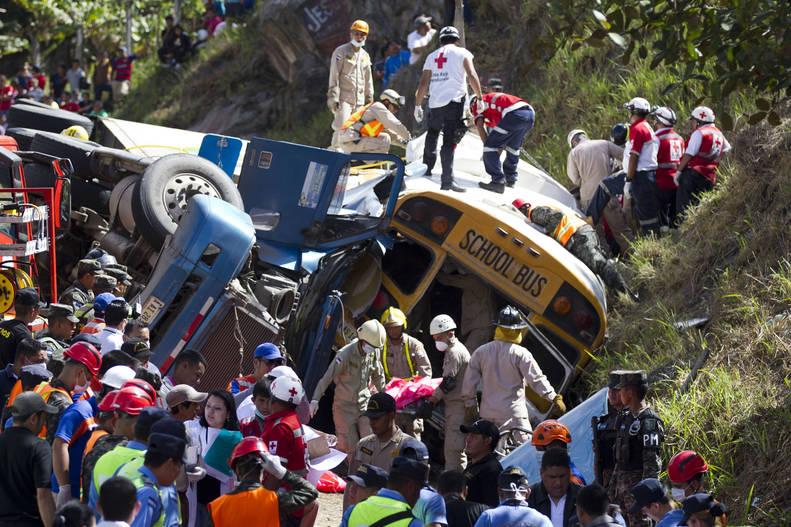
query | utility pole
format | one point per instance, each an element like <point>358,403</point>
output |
<point>129,26</point>
<point>177,11</point>
<point>458,21</point>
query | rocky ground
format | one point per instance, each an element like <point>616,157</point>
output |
<point>330,510</point>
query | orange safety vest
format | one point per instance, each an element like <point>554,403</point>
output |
<point>94,326</point>
<point>566,228</point>
<point>45,389</point>
<point>251,507</point>
<point>95,435</point>
<point>370,129</point>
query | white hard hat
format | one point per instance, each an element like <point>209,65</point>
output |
<point>392,96</point>
<point>286,389</point>
<point>638,105</point>
<point>283,371</point>
<point>664,115</point>
<point>704,114</point>
<point>441,324</point>
<point>117,376</point>
<point>373,333</point>
<point>574,133</point>
<point>202,34</point>
<point>448,32</point>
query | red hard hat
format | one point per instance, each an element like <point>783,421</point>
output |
<point>131,400</point>
<point>519,203</point>
<point>550,430</point>
<point>87,354</point>
<point>686,465</point>
<point>143,385</point>
<point>108,401</point>
<point>248,445</point>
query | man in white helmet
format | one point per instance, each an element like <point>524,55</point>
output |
<point>352,370</point>
<point>639,161</point>
<point>671,148</point>
<point>697,171</point>
<point>404,357</point>
<point>283,432</point>
<point>454,364</point>
<point>374,126</point>
<point>351,84</point>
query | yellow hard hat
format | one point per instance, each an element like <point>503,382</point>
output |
<point>360,25</point>
<point>393,317</point>
<point>76,131</point>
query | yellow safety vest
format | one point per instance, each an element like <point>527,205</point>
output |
<point>566,228</point>
<point>408,359</point>
<point>370,129</point>
<point>378,508</point>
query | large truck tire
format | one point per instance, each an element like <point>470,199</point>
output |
<point>168,184</point>
<point>45,119</point>
<point>72,148</point>
<point>24,136</point>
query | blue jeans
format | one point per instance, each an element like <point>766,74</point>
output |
<point>643,186</point>
<point>508,134</point>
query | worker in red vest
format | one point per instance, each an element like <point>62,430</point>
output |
<point>671,148</point>
<point>283,432</point>
<point>373,127</point>
<point>698,168</point>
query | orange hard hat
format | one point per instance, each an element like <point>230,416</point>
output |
<point>550,430</point>
<point>360,25</point>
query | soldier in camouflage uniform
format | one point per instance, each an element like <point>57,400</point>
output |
<point>80,291</point>
<point>102,284</point>
<point>604,431</point>
<point>637,444</point>
<point>57,336</point>
<point>579,238</point>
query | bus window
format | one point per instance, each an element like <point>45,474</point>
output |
<point>406,264</point>
<point>569,352</point>
<point>550,365</point>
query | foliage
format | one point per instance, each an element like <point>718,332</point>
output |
<point>726,45</point>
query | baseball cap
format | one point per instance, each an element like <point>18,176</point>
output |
<point>495,82</point>
<point>645,493</point>
<point>146,419</point>
<point>90,338</point>
<point>409,468</point>
<point>182,393</point>
<point>27,296</point>
<point>101,302</point>
<point>701,502</point>
<point>380,404</point>
<point>34,374</point>
<point>483,427</point>
<point>632,378</point>
<point>422,19</point>
<point>168,437</point>
<point>137,348</point>
<point>267,351</point>
<point>60,311</point>
<point>414,449</point>
<point>370,476</point>
<point>27,403</point>
<point>512,475</point>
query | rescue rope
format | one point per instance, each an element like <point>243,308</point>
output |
<point>237,333</point>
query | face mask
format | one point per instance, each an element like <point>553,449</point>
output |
<point>81,388</point>
<point>440,345</point>
<point>367,348</point>
<point>358,44</point>
<point>678,495</point>
<point>260,415</point>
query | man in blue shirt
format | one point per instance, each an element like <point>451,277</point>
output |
<point>513,488</point>
<point>395,59</point>
<point>651,498</point>
<point>430,506</point>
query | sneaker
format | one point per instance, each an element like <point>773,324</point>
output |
<point>510,184</point>
<point>428,175</point>
<point>493,187</point>
<point>454,187</point>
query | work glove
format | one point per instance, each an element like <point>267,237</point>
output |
<point>273,466</point>
<point>479,106</point>
<point>334,106</point>
<point>64,496</point>
<point>418,113</point>
<point>424,409</point>
<point>627,188</point>
<point>559,407</point>
<point>470,414</point>
<point>314,407</point>
<point>195,473</point>
<point>676,177</point>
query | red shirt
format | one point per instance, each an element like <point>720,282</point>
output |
<point>643,142</point>
<point>42,81</point>
<point>251,426</point>
<point>6,91</point>
<point>283,436</point>
<point>496,106</point>
<point>72,107</point>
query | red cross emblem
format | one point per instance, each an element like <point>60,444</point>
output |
<point>717,142</point>
<point>440,60</point>
<point>293,392</point>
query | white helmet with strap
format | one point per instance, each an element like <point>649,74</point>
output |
<point>392,96</point>
<point>703,114</point>
<point>441,324</point>
<point>664,115</point>
<point>373,333</point>
<point>287,389</point>
<point>574,133</point>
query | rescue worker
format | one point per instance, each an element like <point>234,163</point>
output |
<point>503,367</point>
<point>651,498</point>
<point>579,238</point>
<point>604,432</point>
<point>637,444</point>
<point>355,366</point>
<point>446,70</point>
<point>639,161</point>
<point>668,157</point>
<point>454,363</point>
<point>351,84</point>
<point>403,357</point>
<point>100,303</point>
<point>702,510</point>
<point>14,330</point>
<point>283,432</point>
<point>373,127</point>
<point>429,507</point>
<point>552,434</point>
<point>265,357</point>
<point>367,481</point>
<point>30,376</point>
<point>588,163</point>
<point>697,171</point>
<point>80,291</point>
<point>250,503</point>
<point>103,284</point>
<point>495,85</point>
<point>513,489</point>
<point>685,472</point>
<point>28,351</point>
<point>61,323</point>
<point>508,119</point>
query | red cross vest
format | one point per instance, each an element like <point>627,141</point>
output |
<point>369,129</point>
<point>498,105</point>
<point>281,429</point>
<point>671,149</point>
<point>708,157</point>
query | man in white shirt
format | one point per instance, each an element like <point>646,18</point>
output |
<point>418,40</point>
<point>117,502</point>
<point>446,70</point>
<point>115,316</point>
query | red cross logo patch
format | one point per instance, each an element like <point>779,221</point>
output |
<point>440,60</point>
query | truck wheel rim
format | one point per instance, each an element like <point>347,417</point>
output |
<point>180,188</point>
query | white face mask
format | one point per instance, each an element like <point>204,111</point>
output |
<point>440,345</point>
<point>678,495</point>
<point>358,44</point>
<point>367,348</point>
<point>82,388</point>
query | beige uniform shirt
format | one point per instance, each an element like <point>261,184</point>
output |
<point>396,364</point>
<point>350,76</point>
<point>588,163</point>
<point>454,365</point>
<point>352,372</point>
<point>372,451</point>
<point>503,368</point>
<point>379,112</point>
